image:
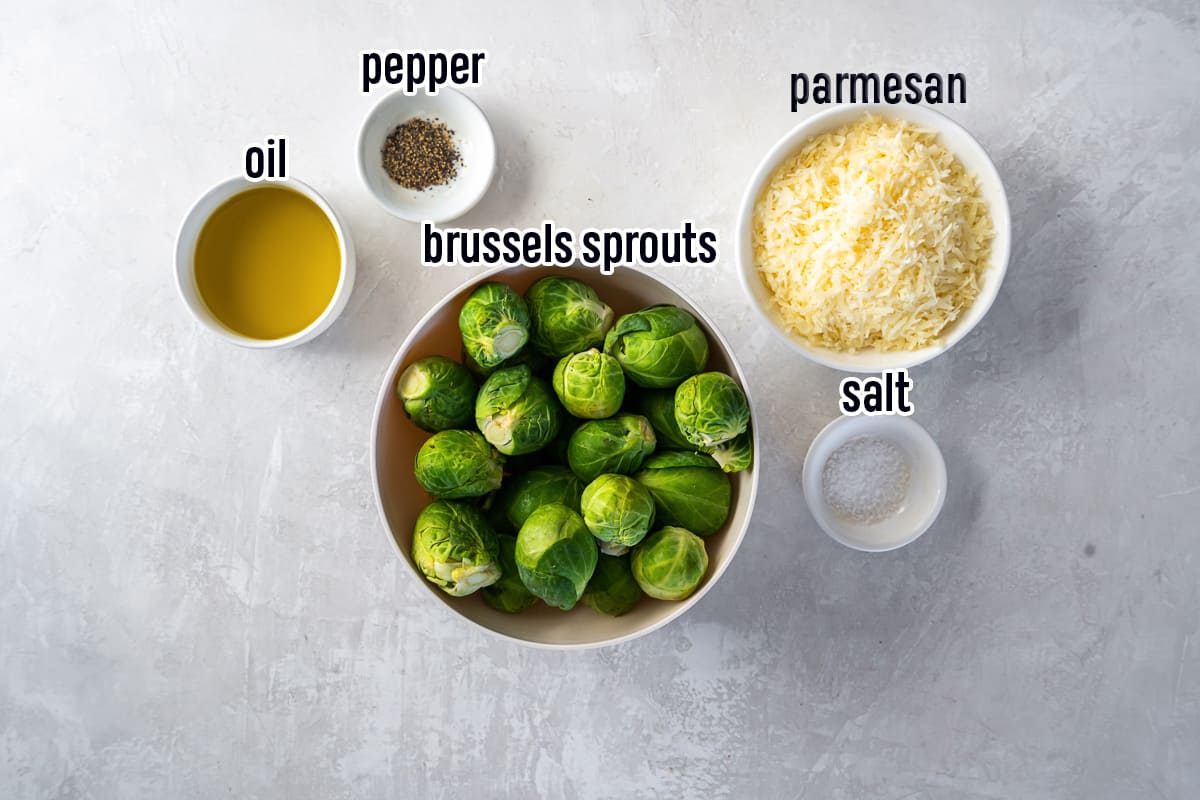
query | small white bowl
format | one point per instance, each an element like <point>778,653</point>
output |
<point>472,134</point>
<point>926,483</point>
<point>185,271</point>
<point>974,158</point>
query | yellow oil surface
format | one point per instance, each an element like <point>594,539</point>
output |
<point>267,262</point>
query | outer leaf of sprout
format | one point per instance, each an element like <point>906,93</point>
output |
<point>689,490</point>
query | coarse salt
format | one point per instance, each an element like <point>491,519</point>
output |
<point>865,480</point>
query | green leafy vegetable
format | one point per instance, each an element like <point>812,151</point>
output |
<point>618,511</point>
<point>494,323</point>
<point>453,464</point>
<point>711,409</point>
<point>670,563</point>
<point>455,548</point>
<point>517,411</point>
<point>618,444</point>
<point>735,455</point>
<point>658,346</point>
<point>568,316</point>
<point>612,589</point>
<point>689,490</point>
<point>556,555</point>
<point>658,406</point>
<point>589,384</point>
<point>525,493</point>
<point>437,393</point>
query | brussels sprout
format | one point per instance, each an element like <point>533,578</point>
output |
<point>689,490</point>
<point>494,323</point>
<point>508,594</point>
<point>454,464</point>
<point>670,563</point>
<point>658,406</point>
<point>590,384</point>
<point>735,455</point>
<point>612,589</point>
<point>618,511</point>
<point>516,411</point>
<point>556,555</point>
<point>437,393</point>
<point>526,492</point>
<point>610,445</point>
<point>711,409</point>
<point>658,346</point>
<point>455,548</point>
<point>568,317</point>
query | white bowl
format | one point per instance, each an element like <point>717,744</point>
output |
<point>395,441</point>
<point>958,141</point>
<point>472,135</point>
<point>185,271</point>
<point>926,484</point>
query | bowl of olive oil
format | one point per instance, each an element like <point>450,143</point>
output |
<point>264,265</point>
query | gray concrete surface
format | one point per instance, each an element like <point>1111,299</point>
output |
<point>197,599</point>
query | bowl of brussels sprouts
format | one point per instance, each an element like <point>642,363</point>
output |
<point>564,458</point>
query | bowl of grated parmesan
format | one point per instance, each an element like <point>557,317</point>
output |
<point>874,237</point>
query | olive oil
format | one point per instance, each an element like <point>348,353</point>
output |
<point>267,262</point>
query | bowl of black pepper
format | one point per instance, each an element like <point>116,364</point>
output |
<point>425,156</point>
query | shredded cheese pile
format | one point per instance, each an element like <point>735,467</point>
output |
<point>873,236</point>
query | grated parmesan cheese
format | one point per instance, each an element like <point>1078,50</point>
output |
<point>872,236</point>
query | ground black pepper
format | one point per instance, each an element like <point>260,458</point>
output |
<point>420,154</point>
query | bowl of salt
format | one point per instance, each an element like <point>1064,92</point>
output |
<point>874,483</point>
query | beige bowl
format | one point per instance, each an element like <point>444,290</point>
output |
<point>395,440</point>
